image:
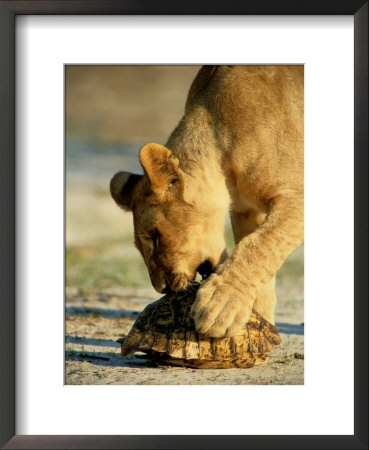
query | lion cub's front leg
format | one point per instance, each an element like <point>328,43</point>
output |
<point>224,302</point>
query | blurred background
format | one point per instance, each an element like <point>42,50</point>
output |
<point>111,111</point>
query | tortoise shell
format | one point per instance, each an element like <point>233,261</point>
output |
<point>165,331</point>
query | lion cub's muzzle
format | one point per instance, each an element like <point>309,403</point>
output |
<point>174,282</point>
<point>178,282</point>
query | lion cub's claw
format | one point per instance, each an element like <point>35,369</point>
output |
<point>220,310</point>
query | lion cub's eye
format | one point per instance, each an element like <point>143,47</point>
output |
<point>155,238</point>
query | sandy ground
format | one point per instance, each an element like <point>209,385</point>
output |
<point>95,320</point>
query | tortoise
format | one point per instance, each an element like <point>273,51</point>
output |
<point>165,332</point>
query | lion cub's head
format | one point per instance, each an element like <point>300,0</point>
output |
<point>176,236</point>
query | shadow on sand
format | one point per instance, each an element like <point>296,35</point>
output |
<point>91,341</point>
<point>106,359</point>
<point>100,312</point>
<point>290,328</point>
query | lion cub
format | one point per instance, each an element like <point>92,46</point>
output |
<point>239,148</point>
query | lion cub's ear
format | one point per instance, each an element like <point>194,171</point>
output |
<point>161,167</point>
<point>122,186</point>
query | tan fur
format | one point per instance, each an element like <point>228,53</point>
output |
<point>238,148</point>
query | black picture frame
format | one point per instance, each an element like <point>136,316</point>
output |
<point>8,12</point>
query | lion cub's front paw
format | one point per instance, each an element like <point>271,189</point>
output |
<point>219,309</point>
